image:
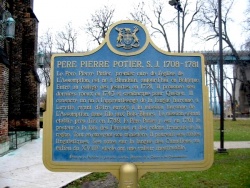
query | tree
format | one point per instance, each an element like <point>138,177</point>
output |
<point>157,25</point>
<point>99,23</point>
<point>209,23</point>
<point>247,28</point>
<point>66,41</point>
<point>189,17</point>
<point>161,22</point>
<point>212,71</point>
<point>248,15</point>
<point>139,13</point>
<point>213,84</point>
<point>46,46</point>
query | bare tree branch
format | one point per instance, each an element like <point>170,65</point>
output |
<point>66,40</point>
<point>46,46</point>
<point>210,21</point>
<point>99,23</point>
<point>161,25</point>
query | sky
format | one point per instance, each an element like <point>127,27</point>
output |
<point>56,14</point>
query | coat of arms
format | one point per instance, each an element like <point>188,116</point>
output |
<point>127,39</point>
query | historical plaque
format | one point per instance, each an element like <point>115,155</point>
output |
<point>127,102</point>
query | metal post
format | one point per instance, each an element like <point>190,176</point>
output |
<point>217,75</point>
<point>128,176</point>
<point>178,13</point>
<point>221,149</point>
<point>177,6</point>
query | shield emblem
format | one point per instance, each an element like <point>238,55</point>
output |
<point>127,38</point>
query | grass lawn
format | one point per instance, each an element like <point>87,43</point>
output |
<point>234,130</point>
<point>230,170</point>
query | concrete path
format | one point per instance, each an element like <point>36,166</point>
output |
<point>233,145</point>
<point>23,168</point>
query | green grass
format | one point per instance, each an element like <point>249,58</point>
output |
<point>233,130</point>
<point>230,170</point>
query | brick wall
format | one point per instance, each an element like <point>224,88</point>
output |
<point>24,82</point>
<point>29,102</point>
<point>19,82</point>
<point>16,66</point>
<point>4,93</point>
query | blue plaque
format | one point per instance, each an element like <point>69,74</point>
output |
<point>128,102</point>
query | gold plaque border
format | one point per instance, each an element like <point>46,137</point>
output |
<point>143,167</point>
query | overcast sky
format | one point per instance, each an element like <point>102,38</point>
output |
<point>56,14</point>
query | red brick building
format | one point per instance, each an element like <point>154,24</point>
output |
<point>19,82</point>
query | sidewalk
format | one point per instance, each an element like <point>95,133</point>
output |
<point>232,145</point>
<point>23,168</point>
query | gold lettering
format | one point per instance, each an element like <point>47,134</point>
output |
<point>66,64</point>
<point>93,64</point>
